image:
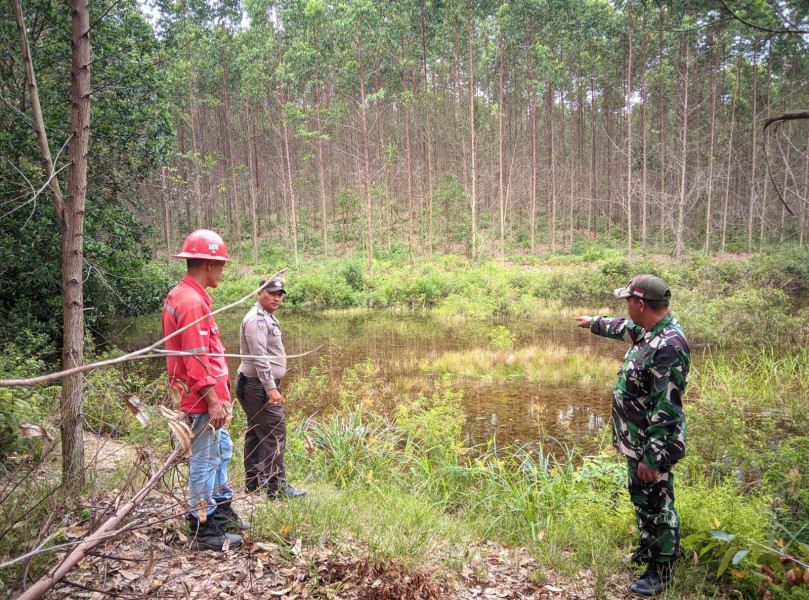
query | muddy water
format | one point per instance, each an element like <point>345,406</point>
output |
<point>512,410</point>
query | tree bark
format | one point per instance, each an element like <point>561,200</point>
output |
<point>366,156</point>
<point>678,251</point>
<point>730,151</point>
<point>710,155</point>
<point>629,138</point>
<point>429,136</point>
<point>500,166</point>
<point>73,244</point>
<point>753,134</point>
<point>473,150</point>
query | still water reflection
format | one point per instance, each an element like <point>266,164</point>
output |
<point>510,410</point>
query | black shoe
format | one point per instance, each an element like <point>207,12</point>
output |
<point>210,535</point>
<point>228,518</point>
<point>286,491</point>
<point>657,578</point>
<point>638,557</point>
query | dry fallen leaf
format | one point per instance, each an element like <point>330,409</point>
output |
<point>176,397</point>
<point>29,430</point>
<point>307,443</point>
<point>280,592</point>
<point>137,409</point>
<point>128,575</point>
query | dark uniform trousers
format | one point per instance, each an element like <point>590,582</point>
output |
<point>266,437</point>
<point>658,522</point>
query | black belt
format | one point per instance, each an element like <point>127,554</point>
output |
<point>256,380</point>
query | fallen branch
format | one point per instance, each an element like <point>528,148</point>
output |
<point>99,535</point>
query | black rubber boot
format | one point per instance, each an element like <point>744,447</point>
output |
<point>228,518</point>
<point>658,577</point>
<point>210,535</point>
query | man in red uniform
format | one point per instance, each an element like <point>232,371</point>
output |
<point>204,385</point>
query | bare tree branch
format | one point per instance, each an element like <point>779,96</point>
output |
<point>99,535</point>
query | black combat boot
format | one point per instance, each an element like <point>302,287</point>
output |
<point>210,535</point>
<point>658,577</point>
<point>228,518</point>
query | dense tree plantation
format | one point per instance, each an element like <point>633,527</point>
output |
<point>473,127</point>
<point>416,128</point>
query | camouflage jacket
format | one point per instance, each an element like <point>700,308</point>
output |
<point>647,403</point>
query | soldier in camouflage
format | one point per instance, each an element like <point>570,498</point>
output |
<point>648,421</point>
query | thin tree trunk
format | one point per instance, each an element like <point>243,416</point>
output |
<point>234,197</point>
<point>645,169</point>
<point>683,155</point>
<point>409,158</point>
<point>551,170</point>
<point>166,216</point>
<point>39,122</point>
<point>766,153</point>
<point>593,110</point>
<point>73,244</point>
<point>710,155</point>
<point>660,139</point>
<point>293,210</point>
<point>730,150</point>
<point>754,131</point>
<point>472,133</point>
<point>367,178</point>
<point>500,165</point>
<point>629,138</point>
<point>533,110</point>
<point>253,215</point>
<point>320,168</point>
<point>429,135</point>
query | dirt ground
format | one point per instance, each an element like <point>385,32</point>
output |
<point>152,560</point>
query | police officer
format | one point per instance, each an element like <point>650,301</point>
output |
<point>648,421</point>
<point>204,387</point>
<point>259,392</point>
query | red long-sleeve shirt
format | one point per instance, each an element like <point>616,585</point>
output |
<point>185,303</point>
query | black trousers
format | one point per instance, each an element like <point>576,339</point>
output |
<point>266,436</point>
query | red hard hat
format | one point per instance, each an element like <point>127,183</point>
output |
<point>204,243</point>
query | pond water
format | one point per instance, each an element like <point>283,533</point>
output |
<point>511,410</point>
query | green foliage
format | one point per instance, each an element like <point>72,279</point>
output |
<point>326,288</point>
<point>23,404</point>
<point>778,566</point>
<point>731,319</point>
<point>435,424</point>
<point>129,138</point>
<point>501,338</point>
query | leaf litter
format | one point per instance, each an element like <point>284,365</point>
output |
<point>154,561</point>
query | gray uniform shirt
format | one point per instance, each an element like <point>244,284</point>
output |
<point>260,335</point>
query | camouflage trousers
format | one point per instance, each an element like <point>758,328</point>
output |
<point>658,523</point>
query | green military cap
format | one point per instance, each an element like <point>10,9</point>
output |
<point>645,287</point>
